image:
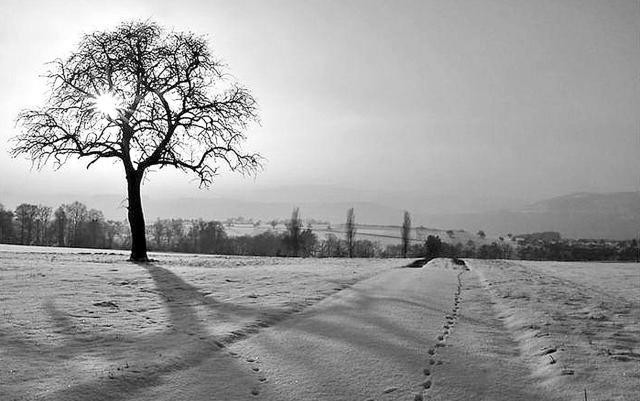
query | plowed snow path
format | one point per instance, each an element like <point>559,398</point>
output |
<point>376,340</point>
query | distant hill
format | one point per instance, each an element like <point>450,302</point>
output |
<point>582,215</point>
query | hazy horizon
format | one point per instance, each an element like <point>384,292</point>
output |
<point>474,103</point>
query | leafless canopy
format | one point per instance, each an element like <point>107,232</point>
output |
<point>173,105</point>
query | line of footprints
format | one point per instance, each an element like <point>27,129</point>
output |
<point>254,367</point>
<point>450,321</point>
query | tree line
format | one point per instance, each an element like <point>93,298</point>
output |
<point>70,225</point>
<point>76,225</point>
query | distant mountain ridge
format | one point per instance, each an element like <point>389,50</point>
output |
<point>623,203</point>
<point>614,215</point>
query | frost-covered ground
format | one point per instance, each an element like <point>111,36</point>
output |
<point>576,325</point>
<point>80,318</point>
<point>85,324</point>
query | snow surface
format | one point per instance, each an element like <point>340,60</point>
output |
<point>86,324</point>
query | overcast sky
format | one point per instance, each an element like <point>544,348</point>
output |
<point>522,99</point>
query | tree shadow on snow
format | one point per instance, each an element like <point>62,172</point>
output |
<point>187,342</point>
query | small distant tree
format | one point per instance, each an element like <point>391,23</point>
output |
<point>350,231</point>
<point>294,230</point>
<point>308,242</point>
<point>433,247</point>
<point>481,234</point>
<point>406,233</point>
<point>148,98</point>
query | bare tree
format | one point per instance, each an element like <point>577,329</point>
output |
<point>60,217</point>
<point>43,214</point>
<point>147,98</point>
<point>158,230</point>
<point>76,214</point>
<point>406,233</point>
<point>350,231</point>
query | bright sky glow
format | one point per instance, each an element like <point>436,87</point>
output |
<point>106,104</point>
<point>457,100</point>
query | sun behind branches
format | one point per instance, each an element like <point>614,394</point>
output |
<point>106,104</point>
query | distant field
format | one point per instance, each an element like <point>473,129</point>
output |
<point>384,235</point>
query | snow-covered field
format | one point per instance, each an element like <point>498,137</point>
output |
<point>79,318</point>
<point>576,324</point>
<point>86,324</point>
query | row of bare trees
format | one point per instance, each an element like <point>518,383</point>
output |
<point>69,225</point>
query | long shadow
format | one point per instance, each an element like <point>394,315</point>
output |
<point>196,344</point>
<point>388,344</point>
<point>346,327</point>
<point>181,300</point>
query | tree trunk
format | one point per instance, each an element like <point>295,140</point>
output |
<point>136,218</point>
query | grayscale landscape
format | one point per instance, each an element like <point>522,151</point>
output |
<point>320,200</point>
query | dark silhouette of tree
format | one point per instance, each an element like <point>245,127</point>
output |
<point>294,231</point>
<point>26,219</point>
<point>433,247</point>
<point>211,237</point>
<point>308,242</point>
<point>406,233</point>
<point>481,234</point>
<point>147,98</point>
<point>6,226</point>
<point>350,231</point>
<point>95,233</point>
